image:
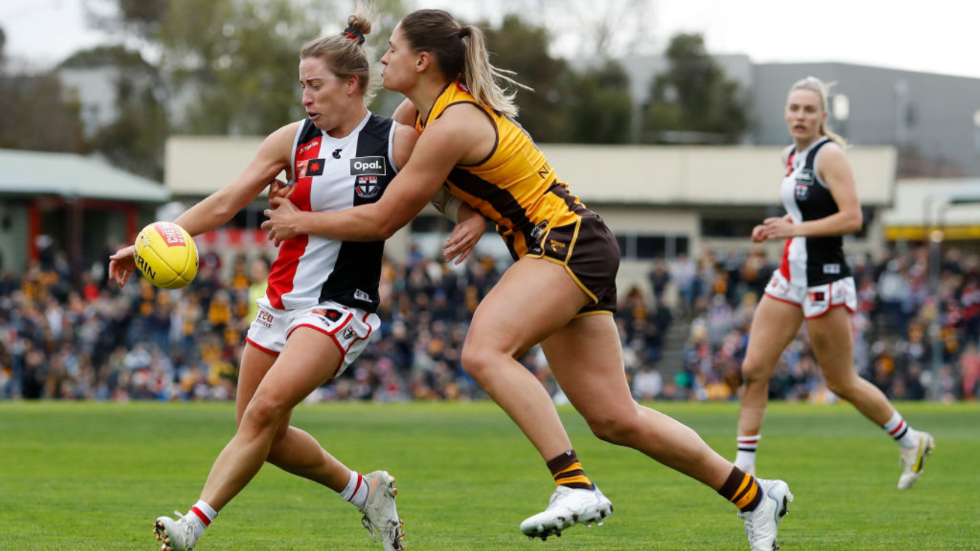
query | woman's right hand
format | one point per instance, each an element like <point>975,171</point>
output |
<point>122,265</point>
<point>759,234</point>
<point>464,238</point>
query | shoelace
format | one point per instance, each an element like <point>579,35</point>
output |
<point>750,523</point>
<point>186,527</point>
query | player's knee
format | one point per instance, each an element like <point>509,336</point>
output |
<point>753,372</point>
<point>842,386</point>
<point>263,414</point>
<point>476,361</point>
<point>619,429</point>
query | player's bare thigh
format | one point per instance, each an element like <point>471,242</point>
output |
<point>310,348</point>
<point>830,337</point>
<point>309,359</point>
<point>586,357</point>
<point>774,326</point>
<point>532,300</point>
<point>255,364</point>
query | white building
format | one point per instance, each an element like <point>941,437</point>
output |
<point>660,201</point>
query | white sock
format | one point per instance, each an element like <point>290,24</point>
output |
<point>356,491</point>
<point>747,446</point>
<point>201,514</point>
<point>899,429</point>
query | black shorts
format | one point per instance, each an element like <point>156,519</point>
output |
<point>588,250</point>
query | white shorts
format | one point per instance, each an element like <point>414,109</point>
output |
<point>349,328</point>
<point>817,300</point>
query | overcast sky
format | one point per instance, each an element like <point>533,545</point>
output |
<point>941,36</point>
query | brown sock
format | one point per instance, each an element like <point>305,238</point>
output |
<point>742,490</point>
<point>569,472</point>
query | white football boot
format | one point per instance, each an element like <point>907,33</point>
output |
<point>762,524</point>
<point>176,535</point>
<point>380,517</point>
<point>568,507</point>
<point>914,460</point>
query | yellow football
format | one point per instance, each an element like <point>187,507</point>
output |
<point>166,255</point>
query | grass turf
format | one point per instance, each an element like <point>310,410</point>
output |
<point>80,476</point>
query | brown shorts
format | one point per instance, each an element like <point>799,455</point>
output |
<point>588,250</point>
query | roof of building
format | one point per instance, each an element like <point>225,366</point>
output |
<point>71,175</point>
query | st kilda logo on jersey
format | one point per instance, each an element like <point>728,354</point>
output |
<point>803,182</point>
<point>367,170</point>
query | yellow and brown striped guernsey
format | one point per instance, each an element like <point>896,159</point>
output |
<point>514,185</point>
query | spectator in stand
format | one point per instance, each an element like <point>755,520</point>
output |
<point>659,278</point>
<point>894,292</point>
<point>970,372</point>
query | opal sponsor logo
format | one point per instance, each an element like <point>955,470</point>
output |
<point>374,166</point>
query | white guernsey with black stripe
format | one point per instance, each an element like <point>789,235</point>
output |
<point>810,261</point>
<point>333,174</point>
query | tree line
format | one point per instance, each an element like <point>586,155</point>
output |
<point>229,67</point>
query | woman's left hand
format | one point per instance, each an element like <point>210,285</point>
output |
<point>283,222</point>
<point>122,265</point>
<point>463,239</point>
<point>278,188</point>
<point>778,228</point>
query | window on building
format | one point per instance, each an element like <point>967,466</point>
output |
<point>621,241</point>
<point>651,246</point>
<point>434,223</point>
<point>241,219</point>
<point>648,247</point>
<point>728,227</point>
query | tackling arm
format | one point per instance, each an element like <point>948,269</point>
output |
<point>442,146</point>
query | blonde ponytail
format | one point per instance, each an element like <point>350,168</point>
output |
<point>481,76</point>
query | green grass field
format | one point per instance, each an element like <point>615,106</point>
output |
<point>94,476</point>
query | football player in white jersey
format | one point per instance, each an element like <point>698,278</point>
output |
<point>819,194</point>
<point>299,344</point>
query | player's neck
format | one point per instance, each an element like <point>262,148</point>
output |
<point>803,144</point>
<point>350,123</point>
<point>425,94</point>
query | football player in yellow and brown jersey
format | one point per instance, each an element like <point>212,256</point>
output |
<point>514,186</point>
<point>560,293</point>
<point>536,215</point>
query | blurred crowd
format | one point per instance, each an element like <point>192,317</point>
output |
<point>894,347</point>
<point>84,338</point>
